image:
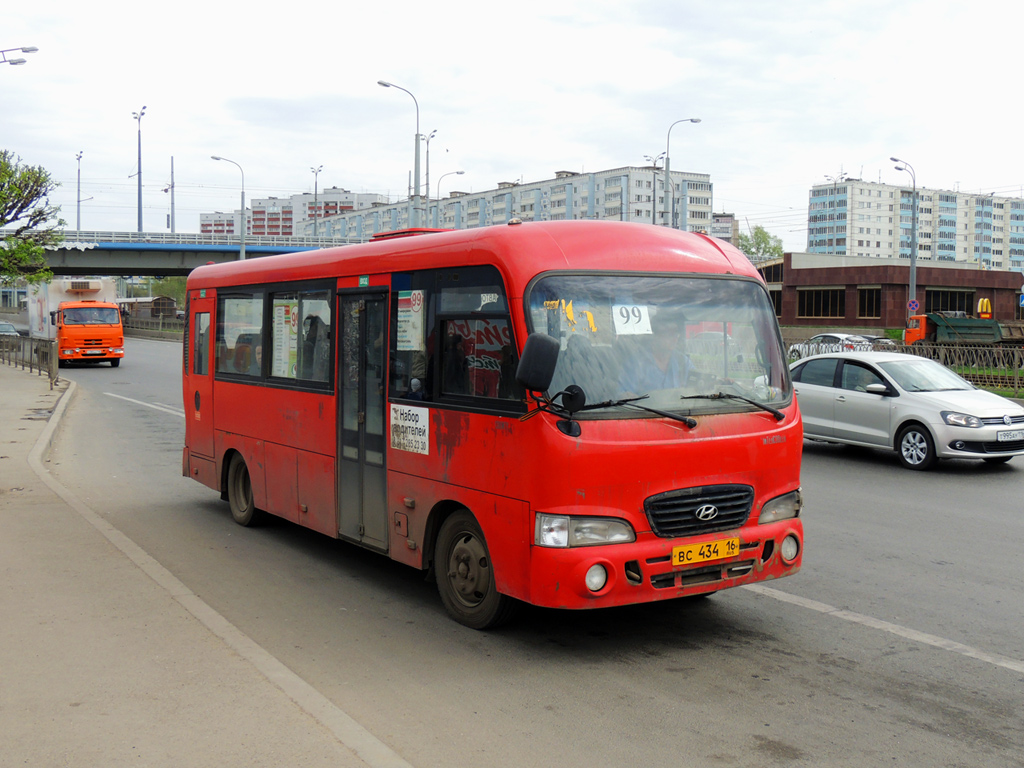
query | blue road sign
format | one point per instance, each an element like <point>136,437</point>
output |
<point>913,306</point>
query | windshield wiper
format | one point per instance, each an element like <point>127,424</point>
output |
<point>779,415</point>
<point>630,402</point>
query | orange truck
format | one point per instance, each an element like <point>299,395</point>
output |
<point>960,328</point>
<point>82,316</point>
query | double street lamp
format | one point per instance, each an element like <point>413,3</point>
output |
<point>670,193</point>
<point>241,234</point>
<point>19,60</point>
<point>903,165</point>
<point>416,171</point>
<point>654,190</point>
<point>138,118</point>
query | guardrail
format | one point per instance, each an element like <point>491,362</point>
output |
<point>35,355</point>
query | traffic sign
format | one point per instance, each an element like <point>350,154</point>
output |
<point>913,306</point>
<point>1021,298</point>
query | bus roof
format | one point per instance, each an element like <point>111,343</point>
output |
<point>520,250</point>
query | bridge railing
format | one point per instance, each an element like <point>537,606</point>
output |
<point>73,238</point>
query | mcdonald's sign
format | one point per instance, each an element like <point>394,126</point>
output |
<point>985,309</point>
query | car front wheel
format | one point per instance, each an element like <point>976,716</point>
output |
<point>916,447</point>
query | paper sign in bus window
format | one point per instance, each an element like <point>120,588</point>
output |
<point>631,320</point>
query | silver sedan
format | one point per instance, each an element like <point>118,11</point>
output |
<point>909,404</point>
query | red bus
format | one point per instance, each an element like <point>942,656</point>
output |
<point>569,414</point>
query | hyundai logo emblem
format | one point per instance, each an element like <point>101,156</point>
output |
<point>707,512</point>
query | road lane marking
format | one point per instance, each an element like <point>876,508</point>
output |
<point>885,626</point>
<point>154,406</point>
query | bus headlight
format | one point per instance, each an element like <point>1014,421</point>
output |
<point>782,508</point>
<point>564,531</point>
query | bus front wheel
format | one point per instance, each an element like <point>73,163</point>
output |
<point>465,575</point>
<point>240,498</point>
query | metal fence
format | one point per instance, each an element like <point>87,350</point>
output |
<point>35,355</point>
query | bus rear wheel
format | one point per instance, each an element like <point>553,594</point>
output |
<point>465,574</point>
<point>240,498</point>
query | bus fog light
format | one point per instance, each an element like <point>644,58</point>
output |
<point>790,548</point>
<point>596,578</point>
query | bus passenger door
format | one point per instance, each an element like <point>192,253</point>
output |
<point>199,397</point>
<point>362,496</point>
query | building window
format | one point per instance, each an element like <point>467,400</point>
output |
<point>869,302</point>
<point>948,301</point>
<point>822,302</point>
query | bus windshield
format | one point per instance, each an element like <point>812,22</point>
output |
<point>683,343</point>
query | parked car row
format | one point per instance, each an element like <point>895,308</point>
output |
<point>913,405</point>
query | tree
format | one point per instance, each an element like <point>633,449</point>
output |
<point>29,222</point>
<point>760,245</point>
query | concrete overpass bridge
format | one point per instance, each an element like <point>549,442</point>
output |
<point>163,254</point>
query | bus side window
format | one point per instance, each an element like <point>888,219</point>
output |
<point>200,357</point>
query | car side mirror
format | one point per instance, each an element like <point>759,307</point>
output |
<point>877,389</point>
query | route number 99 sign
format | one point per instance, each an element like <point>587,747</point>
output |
<point>631,320</point>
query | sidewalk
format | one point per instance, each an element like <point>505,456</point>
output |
<point>107,659</point>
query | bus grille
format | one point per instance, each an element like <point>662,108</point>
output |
<point>674,513</point>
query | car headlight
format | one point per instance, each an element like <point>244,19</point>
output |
<point>956,419</point>
<point>781,508</point>
<point>564,531</point>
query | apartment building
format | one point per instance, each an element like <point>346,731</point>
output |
<point>283,217</point>
<point>859,218</point>
<point>623,194</point>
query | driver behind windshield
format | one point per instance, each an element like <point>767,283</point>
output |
<point>660,362</point>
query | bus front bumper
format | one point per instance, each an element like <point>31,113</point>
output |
<point>643,571</point>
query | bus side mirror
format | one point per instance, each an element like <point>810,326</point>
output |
<point>537,363</point>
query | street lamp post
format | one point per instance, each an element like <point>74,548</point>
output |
<point>654,188</point>
<point>78,195</point>
<point>19,60</point>
<point>426,174</point>
<point>438,213</point>
<point>903,165</point>
<point>138,118</point>
<point>241,234</point>
<point>416,168</point>
<point>316,205</point>
<point>670,195</point>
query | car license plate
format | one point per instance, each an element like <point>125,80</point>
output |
<point>1010,436</point>
<point>93,352</point>
<point>706,552</point>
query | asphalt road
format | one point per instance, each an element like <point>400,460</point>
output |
<point>900,643</point>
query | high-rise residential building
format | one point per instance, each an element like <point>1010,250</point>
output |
<point>860,218</point>
<point>621,194</point>
<point>272,216</point>
<point>724,226</point>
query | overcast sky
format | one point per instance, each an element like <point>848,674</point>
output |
<point>788,92</point>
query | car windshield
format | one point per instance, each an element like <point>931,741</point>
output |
<point>7,328</point>
<point>91,316</point>
<point>921,375</point>
<point>680,342</point>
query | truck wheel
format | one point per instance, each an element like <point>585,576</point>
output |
<point>915,447</point>
<point>115,362</point>
<point>465,576</point>
<point>240,498</point>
